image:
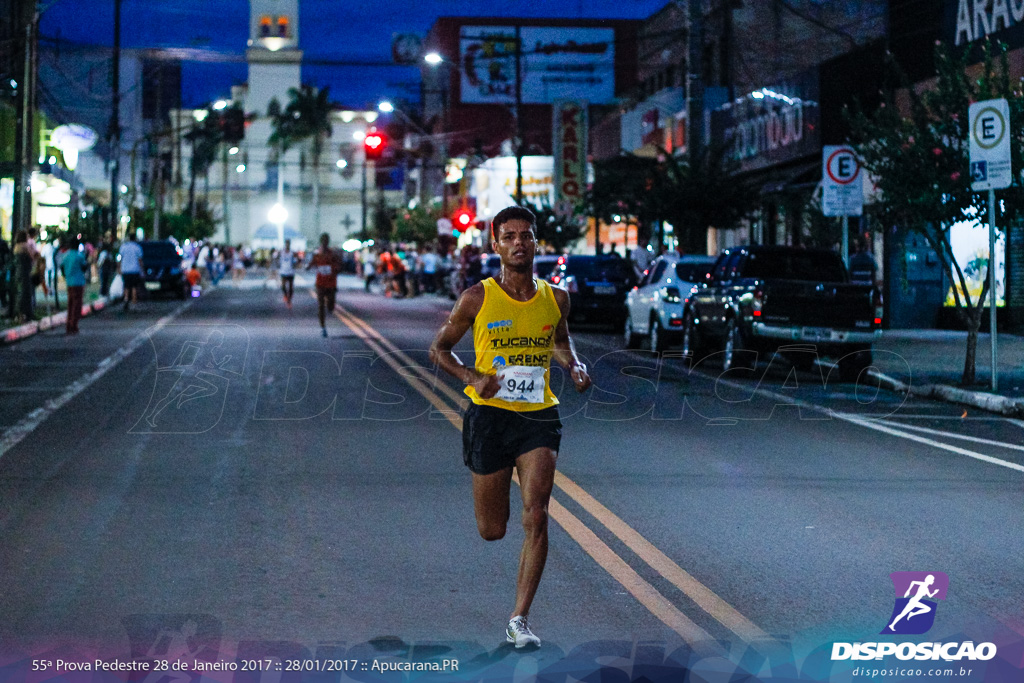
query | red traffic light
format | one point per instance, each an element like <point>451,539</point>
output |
<point>463,218</point>
<point>374,144</point>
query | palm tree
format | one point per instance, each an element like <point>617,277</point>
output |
<point>205,138</point>
<point>307,117</point>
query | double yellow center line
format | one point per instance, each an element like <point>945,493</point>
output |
<point>425,382</point>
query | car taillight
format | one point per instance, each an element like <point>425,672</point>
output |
<point>757,303</point>
<point>876,299</point>
<point>670,295</point>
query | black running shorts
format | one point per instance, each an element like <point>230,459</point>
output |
<point>492,438</point>
<point>326,294</point>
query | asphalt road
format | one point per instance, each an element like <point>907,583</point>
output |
<point>216,480</point>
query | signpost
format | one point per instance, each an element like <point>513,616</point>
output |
<point>989,126</point>
<point>842,188</point>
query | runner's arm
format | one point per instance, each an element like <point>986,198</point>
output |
<point>459,322</point>
<point>564,352</point>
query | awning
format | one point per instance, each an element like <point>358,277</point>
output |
<point>802,177</point>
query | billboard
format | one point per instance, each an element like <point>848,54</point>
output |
<point>556,63</point>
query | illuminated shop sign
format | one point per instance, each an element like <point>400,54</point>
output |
<point>771,125</point>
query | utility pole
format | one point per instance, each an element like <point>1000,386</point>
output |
<point>115,125</point>
<point>362,194</point>
<point>227,218</point>
<point>518,142</point>
<point>695,82</point>
<point>26,119</point>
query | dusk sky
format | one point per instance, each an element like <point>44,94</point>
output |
<point>330,30</point>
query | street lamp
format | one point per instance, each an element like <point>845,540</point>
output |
<point>432,58</point>
<point>278,215</point>
<point>386,107</point>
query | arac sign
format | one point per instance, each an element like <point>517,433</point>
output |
<point>969,21</point>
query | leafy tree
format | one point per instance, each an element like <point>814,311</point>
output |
<point>554,230</point>
<point>416,225</point>
<point>307,117</point>
<point>692,196</point>
<point>705,193</point>
<point>622,187</point>
<point>917,150</point>
<point>194,225</point>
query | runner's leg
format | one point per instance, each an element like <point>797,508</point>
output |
<point>321,307</point>
<point>536,477</point>
<point>490,503</point>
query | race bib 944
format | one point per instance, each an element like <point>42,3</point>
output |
<point>521,384</point>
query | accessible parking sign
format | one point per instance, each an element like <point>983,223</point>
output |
<point>990,145</point>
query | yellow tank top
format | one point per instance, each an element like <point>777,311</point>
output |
<point>515,339</point>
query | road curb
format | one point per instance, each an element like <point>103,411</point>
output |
<point>1001,405</point>
<point>16,334</point>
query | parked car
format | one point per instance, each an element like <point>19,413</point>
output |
<point>542,265</point>
<point>162,268</point>
<point>597,286</point>
<point>655,306</point>
<point>764,299</point>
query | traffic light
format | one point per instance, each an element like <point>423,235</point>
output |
<point>374,144</point>
<point>463,219</point>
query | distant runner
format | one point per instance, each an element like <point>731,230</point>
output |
<point>286,270</point>
<point>519,325</point>
<point>327,265</point>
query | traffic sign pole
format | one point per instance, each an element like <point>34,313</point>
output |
<point>992,285</point>
<point>846,239</point>
<point>990,170</point>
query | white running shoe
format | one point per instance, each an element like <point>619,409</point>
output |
<point>519,633</point>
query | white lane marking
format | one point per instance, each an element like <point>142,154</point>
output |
<point>953,435</point>
<point>1019,423</point>
<point>877,426</point>
<point>936,444</point>
<point>13,436</point>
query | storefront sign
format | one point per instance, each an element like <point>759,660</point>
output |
<point>969,21</point>
<point>772,125</point>
<point>557,63</point>
<point>569,136</point>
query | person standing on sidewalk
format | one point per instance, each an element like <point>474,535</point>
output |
<point>107,263</point>
<point>22,283</point>
<point>519,326</point>
<point>74,265</point>
<point>130,268</point>
<point>327,265</point>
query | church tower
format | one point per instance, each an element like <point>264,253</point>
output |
<point>275,60</point>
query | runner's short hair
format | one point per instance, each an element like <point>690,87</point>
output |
<point>512,213</point>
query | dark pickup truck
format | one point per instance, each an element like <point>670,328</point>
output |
<point>759,300</point>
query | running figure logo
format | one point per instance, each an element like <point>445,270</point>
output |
<point>914,612</point>
<point>191,390</point>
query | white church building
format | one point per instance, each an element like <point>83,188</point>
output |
<point>254,178</point>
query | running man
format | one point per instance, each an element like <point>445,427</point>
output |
<point>914,606</point>
<point>286,270</point>
<point>327,266</point>
<point>519,325</point>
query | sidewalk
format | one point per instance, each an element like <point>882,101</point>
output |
<point>929,363</point>
<point>91,303</point>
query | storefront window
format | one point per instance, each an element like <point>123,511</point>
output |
<point>969,241</point>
